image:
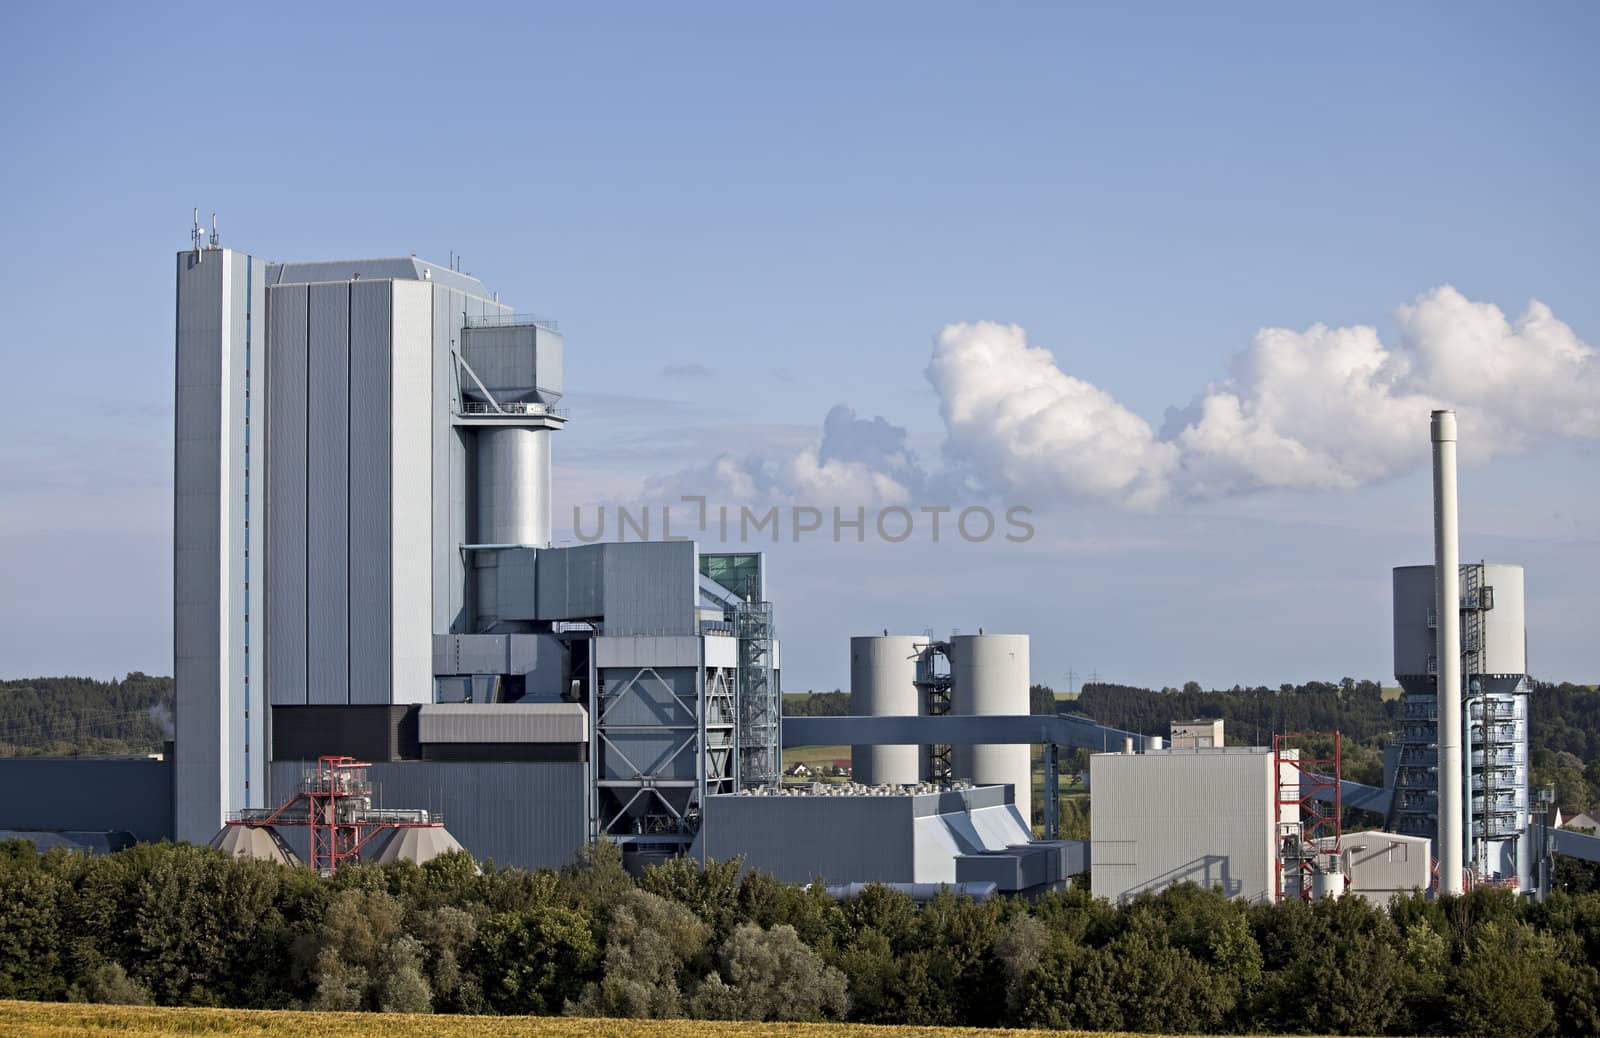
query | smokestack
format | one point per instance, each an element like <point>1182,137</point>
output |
<point>1447,684</point>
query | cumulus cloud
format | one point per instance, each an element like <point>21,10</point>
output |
<point>1336,408</point>
<point>1015,420</point>
<point>1325,408</point>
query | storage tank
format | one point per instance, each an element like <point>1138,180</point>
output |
<point>514,486</point>
<point>883,673</point>
<point>513,505</point>
<point>990,675</point>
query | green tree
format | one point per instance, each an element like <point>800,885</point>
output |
<point>535,960</point>
<point>711,891</point>
<point>649,945</point>
<point>772,975</point>
<point>1498,987</point>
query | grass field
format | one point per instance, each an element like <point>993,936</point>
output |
<point>58,1020</point>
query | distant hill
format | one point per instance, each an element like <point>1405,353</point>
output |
<point>70,716</point>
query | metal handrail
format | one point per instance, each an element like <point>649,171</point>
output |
<point>512,407</point>
<point>512,321</point>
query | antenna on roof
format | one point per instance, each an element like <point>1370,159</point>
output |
<point>216,241</point>
<point>194,235</point>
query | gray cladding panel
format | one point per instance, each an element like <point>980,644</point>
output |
<point>517,584</point>
<point>328,496</point>
<point>371,656</point>
<point>197,521</point>
<point>517,814</point>
<point>651,588</point>
<point>801,839</point>
<point>288,314</point>
<point>82,793</point>
<point>571,582</point>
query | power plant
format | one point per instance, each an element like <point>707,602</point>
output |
<point>374,633</point>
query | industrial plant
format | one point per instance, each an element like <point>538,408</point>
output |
<point>380,653</point>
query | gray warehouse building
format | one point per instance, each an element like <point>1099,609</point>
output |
<point>363,566</point>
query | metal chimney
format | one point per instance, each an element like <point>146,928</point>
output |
<point>1447,683</point>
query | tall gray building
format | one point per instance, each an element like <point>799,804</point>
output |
<point>363,566</point>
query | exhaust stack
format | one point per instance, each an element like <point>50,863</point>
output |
<point>1447,685</point>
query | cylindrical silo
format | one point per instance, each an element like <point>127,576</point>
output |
<point>513,498</point>
<point>989,675</point>
<point>883,673</point>
<point>514,486</point>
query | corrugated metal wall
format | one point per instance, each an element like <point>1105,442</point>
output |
<point>503,722</point>
<point>285,577</point>
<point>803,839</point>
<point>328,513</point>
<point>531,815</point>
<point>651,588</point>
<point>449,504</point>
<point>197,526</point>
<point>64,793</point>
<point>371,312</point>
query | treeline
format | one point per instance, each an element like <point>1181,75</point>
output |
<point>1565,743</point>
<point>71,716</point>
<point>817,704</point>
<point>183,925</point>
<point>1250,715</point>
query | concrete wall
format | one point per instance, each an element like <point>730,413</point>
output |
<point>1188,816</point>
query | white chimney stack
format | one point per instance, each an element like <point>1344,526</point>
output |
<point>1447,684</point>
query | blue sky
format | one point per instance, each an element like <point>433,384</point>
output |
<point>797,201</point>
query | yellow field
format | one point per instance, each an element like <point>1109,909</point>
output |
<point>58,1020</point>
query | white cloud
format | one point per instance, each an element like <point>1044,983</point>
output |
<point>1319,409</point>
<point>1335,408</point>
<point>1017,422</point>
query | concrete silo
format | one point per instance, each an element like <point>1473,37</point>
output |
<point>990,675</point>
<point>883,675</point>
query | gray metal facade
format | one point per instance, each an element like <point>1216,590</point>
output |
<point>218,487</point>
<point>530,815</point>
<point>369,415</point>
<point>904,838</point>
<point>131,795</point>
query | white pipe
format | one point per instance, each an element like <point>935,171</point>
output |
<point>1447,607</point>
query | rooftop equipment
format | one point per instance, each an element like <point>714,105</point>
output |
<point>335,803</point>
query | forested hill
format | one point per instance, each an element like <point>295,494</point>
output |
<point>68,716</point>
<point>1251,715</point>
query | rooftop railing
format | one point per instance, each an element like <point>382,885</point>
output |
<point>512,321</point>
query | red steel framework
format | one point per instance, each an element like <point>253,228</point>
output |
<point>1304,824</point>
<point>335,803</point>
